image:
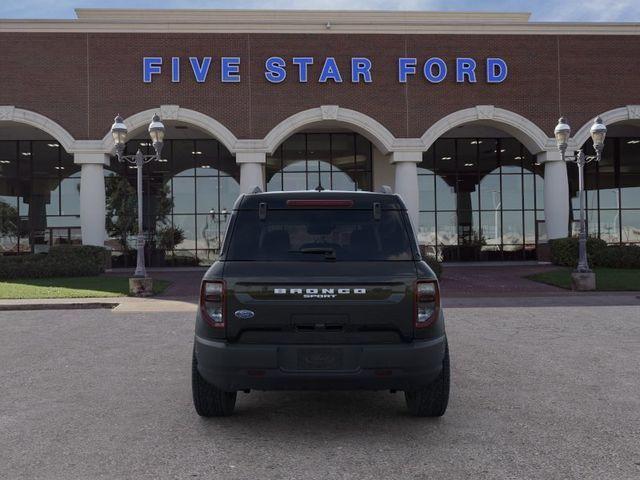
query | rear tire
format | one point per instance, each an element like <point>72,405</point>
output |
<point>432,400</point>
<point>208,400</point>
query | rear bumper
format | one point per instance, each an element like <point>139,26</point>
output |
<point>232,367</point>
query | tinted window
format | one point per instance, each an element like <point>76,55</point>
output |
<point>320,235</point>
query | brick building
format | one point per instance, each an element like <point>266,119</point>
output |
<point>454,111</point>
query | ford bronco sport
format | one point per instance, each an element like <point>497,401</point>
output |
<point>316,291</point>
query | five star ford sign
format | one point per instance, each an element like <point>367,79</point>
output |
<point>361,69</point>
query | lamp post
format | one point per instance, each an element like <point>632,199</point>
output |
<point>156,132</point>
<point>583,278</point>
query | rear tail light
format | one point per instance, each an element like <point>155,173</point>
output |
<point>212,295</point>
<point>427,303</point>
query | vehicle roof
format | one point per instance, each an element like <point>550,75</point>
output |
<point>361,200</point>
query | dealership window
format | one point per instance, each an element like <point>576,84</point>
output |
<point>334,161</point>
<point>480,199</point>
<point>39,196</point>
<point>612,189</point>
<point>192,191</point>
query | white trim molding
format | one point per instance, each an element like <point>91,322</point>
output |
<point>312,22</point>
<point>9,113</point>
<point>621,114</point>
<point>180,114</point>
<point>373,130</point>
<point>527,132</point>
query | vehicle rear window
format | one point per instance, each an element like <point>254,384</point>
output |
<point>320,235</point>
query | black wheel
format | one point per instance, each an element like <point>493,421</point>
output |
<point>208,400</point>
<point>432,400</point>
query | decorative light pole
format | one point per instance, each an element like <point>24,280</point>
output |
<point>583,278</point>
<point>156,132</point>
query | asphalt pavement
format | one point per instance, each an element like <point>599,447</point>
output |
<point>538,392</point>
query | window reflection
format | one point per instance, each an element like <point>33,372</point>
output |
<point>630,224</point>
<point>305,161</point>
<point>39,196</point>
<point>485,201</point>
<point>612,191</point>
<point>445,194</point>
<point>190,191</point>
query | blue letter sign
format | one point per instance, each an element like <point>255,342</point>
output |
<point>275,69</point>
<point>428,70</point>
<point>434,69</point>
<point>150,66</point>
<point>406,66</point>
<point>230,69</point>
<point>330,71</point>
<point>360,67</point>
<point>303,66</point>
<point>175,69</point>
<point>465,67</point>
<point>496,70</point>
<point>200,70</point>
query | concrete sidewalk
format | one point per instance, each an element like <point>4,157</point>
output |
<point>117,304</point>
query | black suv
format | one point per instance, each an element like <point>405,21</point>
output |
<point>319,291</point>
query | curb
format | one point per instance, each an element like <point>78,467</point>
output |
<point>59,306</point>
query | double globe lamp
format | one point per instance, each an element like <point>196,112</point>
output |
<point>582,278</point>
<point>140,284</point>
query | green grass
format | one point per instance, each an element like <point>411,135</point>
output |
<point>607,279</point>
<point>71,287</point>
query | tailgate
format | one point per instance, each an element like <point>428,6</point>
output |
<point>313,303</point>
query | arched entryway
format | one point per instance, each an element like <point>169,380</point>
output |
<point>328,147</point>
<point>336,159</point>
<point>188,197</point>
<point>482,187</point>
<point>613,185</point>
<point>39,184</point>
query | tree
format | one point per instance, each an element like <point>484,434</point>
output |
<point>122,208</point>
<point>8,220</point>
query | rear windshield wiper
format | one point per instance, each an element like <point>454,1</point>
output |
<point>329,253</point>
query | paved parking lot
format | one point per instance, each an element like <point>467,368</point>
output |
<point>538,392</point>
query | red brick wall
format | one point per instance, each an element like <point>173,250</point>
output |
<point>82,80</point>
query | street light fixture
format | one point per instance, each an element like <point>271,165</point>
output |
<point>156,132</point>
<point>598,132</point>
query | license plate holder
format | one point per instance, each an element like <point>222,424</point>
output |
<point>320,359</point>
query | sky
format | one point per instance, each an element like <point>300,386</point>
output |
<point>542,10</point>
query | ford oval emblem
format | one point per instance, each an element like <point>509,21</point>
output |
<point>244,314</point>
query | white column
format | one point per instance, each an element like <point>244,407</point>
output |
<point>92,197</point>
<point>556,194</point>
<point>251,170</point>
<point>406,181</point>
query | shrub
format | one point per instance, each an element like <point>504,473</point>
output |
<point>182,261</point>
<point>61,261</point>
<point>618,256</point>
<point>434,264</point>
<point>168,237</point>
<point>429,257</point>
<point>564,251</point>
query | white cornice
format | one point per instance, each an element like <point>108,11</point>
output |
<point>297,21</point>
<point>293,16</point>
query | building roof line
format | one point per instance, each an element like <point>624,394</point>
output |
<point>310,21</point>
<point>217,15</point>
